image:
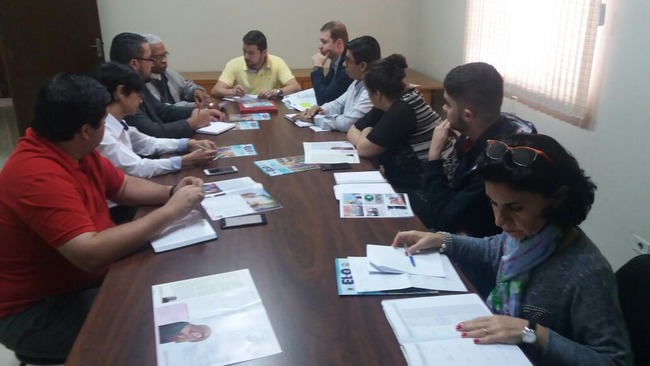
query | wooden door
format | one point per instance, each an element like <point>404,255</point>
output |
<point>43,38</point>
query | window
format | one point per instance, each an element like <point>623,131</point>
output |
<point>543,48</point>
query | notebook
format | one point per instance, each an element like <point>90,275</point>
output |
<point>191,229</point>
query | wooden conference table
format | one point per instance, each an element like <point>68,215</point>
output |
<point>291,260</point>
<point>431,89</point>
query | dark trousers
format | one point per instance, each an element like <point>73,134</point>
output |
<point>48,328</point>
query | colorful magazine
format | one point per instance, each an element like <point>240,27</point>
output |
<point>235,150</point>
<point>356,205</point>
<point>236,197</point>
<point>249,117</point>
<point>247,125</point>
<point>288,165</point>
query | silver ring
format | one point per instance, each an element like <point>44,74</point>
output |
<point>486,331</point>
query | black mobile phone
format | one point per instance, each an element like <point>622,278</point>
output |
<point>336,166</point>
<point>242,221</point>
<point>217,171</point>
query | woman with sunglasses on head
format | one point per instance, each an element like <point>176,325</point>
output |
<point>555,293</point>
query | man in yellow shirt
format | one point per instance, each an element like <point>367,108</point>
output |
<point>256,72</point>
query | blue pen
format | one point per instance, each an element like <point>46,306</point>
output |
<point>406,250</point>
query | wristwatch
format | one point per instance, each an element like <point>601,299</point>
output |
<point>317,68</point>
<point>528,335</point>
<point>279,93</point>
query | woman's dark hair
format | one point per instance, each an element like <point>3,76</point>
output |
<point>544,177</point>
<point>113,74</point>
<point>387,75</point>
<point>65,103</point>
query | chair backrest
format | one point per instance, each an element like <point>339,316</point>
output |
<point>634,294</point>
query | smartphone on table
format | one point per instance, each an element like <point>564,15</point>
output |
<point>218,171</point>
<point>336,166</point>
<point>242,221</point>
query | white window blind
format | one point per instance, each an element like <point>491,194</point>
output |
<point>543,48</point>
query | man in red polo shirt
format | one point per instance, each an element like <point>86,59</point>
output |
<point>56,230</point>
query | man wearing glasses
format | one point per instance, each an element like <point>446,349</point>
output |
<point>473,97</point>
<point>167,85</point>
<point>155,118</point>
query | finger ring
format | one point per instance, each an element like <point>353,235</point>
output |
<point>486,331</point>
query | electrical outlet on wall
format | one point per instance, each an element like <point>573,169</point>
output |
<point>641,245</point>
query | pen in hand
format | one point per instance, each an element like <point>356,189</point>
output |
<point>406,250</point>
<point>408,254</point>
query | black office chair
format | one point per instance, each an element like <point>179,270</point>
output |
<point>634,294</point>
<point>38,361</point>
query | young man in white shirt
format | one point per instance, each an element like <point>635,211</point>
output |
<point>345,110</point>
<point>124,145</point>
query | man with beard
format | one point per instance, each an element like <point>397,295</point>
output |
<point>155,118</point>
<point>256,72</point>
<point>473,96</point>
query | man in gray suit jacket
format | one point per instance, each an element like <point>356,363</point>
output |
<point>155,118</point>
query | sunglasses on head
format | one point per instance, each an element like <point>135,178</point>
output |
<point>521,155</point>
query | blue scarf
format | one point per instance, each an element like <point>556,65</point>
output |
<point>519,258</point>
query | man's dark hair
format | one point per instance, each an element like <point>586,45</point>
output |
<point>113,74</point>
<point>543,177</point>
<point>255,38</point>
<point>127,46</point>
<point>478,86</point>
<point>387,75</point>
<point>337,30</point>
<point>65,103</point>
<point>364,49</point>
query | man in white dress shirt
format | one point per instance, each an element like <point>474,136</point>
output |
<point>124,145</point>
<point>344,111</point>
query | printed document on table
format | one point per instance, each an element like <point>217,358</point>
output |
<point>330,152</point>
<point>367,281</point>
<point>374,205</point>
<point>340,189</point>
<point>301,100</point>
<point>385,258</point>
<point>425,329</point>
<point>225,306</point>
<point>373,176</point>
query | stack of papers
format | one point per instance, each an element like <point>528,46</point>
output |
<point>425,329</point>
<point>355,182</point>
<point>330,152</point>
<point>388,270</point>
<point>237,197</point>
<point>301,100</point>
<point>215,128</point>
<point>191,229</point>
<point>373,176</point>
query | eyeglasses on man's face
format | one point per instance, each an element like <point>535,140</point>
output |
<point>145,59</point>
<point>521,155</point>
<point>160,57</point>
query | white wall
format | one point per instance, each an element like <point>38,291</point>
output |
<point>203,34</point>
